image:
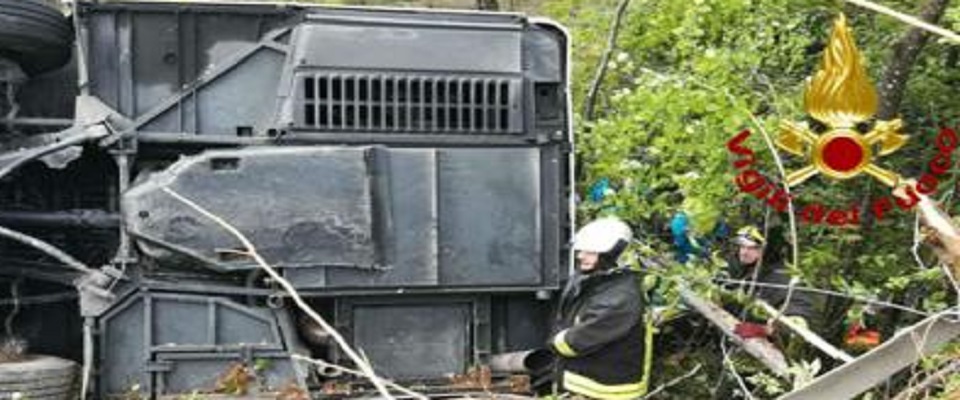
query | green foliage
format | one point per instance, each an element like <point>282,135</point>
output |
<point>688,75</point>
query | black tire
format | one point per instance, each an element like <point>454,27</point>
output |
<point>35,35</point>
<point>39,377</point>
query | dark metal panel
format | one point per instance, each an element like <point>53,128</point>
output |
<point>169,329</point>
<point>104,58</point>
<point>543,52</point>
<point>154,58</point>
<point>303,207</point>
<point>188,69</point>
<point>244,97</point>
<point>122,347</point>
<point>413,203</point>
<point>414,341</point>
<point>413,189</point>
<point>342,45</point>
<point>220,35</point>
<point>142,334</point>
<point>526,322</point>
<point>215,323</point>
<point>490,226</point>
<point>555,213</point>
<point>244,325</point>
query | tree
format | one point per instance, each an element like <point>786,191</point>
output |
<point>686,76</point>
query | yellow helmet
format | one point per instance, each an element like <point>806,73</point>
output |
<point>750,236</point>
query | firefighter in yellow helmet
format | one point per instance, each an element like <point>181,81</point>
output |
<point>599,331</point>
<point>764,277</point>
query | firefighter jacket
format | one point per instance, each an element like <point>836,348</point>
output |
<point>802,304</point>
<point>599,335</point>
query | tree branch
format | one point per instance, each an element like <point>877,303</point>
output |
<point>761,349</point>
<point>672,382</point>
<point>905,53</point>
<point>590,103</point>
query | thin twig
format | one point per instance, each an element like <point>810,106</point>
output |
<point>809,289</point>
<point>953,281</point>
<point>930,380</point>
<point>791,215</point>
<point>733,369</point>
<point>294,294</point>
<point>907,19</point>
<point>919,345</point>
<point>15,295</point>
<point>673,382</point>
<point>588,105</point>
<point>917,240</point>
<point>324,364</point>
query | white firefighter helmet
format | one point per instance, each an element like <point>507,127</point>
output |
<point>602,235</point>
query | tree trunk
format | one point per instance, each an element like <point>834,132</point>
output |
<point>905,53</point>
<point>489,5</point>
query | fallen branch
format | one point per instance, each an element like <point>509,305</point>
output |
<point>947,234</point>
<point>588,105</point>
<point>807,335</point>
<point>251,252</point>
<point>760,349</point>
<point>324,364</point>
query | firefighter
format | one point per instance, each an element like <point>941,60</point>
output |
<point>599,332</point>
<point>757,265</point>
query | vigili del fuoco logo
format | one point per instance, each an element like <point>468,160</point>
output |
<point>842,99</point>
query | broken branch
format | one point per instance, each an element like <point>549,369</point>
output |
<point>807,335</point>
<point>760,349</point>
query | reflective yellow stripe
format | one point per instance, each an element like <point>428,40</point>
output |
<point>588,387</point>
<point>560,343</point>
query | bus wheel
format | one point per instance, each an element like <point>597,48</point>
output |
<point>35,35</point>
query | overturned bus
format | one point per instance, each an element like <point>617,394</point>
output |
<point>409,172</point>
